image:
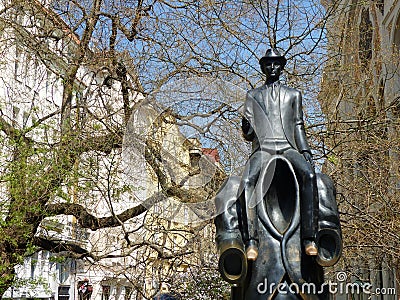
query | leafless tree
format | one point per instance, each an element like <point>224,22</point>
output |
<point>358,97</point>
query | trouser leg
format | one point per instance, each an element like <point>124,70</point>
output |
<point>248,218</point>
<point>308,193</point>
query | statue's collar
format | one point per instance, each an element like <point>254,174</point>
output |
<point>275,84</point>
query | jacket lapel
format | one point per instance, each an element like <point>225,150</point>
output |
<point>264,99</point>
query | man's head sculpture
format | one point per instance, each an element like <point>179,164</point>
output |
<point>272,64</point>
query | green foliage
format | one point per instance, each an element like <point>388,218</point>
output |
<point>333,159</point>
<point>58,259</point>
<point>32,283</point>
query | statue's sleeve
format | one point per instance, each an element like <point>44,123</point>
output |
<point>300,134</point>
<point>247,120</point>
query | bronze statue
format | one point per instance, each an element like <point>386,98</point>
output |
<point>280,223</point>
<point>273,122</point>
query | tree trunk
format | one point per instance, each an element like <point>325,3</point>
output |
<point>7,269</point>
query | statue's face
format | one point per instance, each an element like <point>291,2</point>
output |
<point>273,69</point>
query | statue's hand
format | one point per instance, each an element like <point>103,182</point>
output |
<point>247,130</point>
<point>308,157</point>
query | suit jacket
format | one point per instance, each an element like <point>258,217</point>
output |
<point>255,119</point>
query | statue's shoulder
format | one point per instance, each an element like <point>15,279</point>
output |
<point>256,90</point>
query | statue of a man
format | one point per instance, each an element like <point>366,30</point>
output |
<point>273,122</point>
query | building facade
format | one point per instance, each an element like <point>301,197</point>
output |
<point>359,98</point>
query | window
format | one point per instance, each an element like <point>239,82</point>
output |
<point>17,63</point>
<point>25,118</point>
<point>63,292</point>
<point>128,293</point>
<point>15,113</point>
<point>105,295</point>
<point>365,43</point>
<point>43,262</point>
<point>85,289</point>
<point>380,4</point>
<point>381,95</point>
<point>396,37</point>
<point>34,260</point>
<point>64,269</point>
<point>394,85</point>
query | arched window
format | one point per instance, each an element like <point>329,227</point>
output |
<point>381,6</point>
<point>365,43</point>
<point>394,85</point>
<point>381,95</point>
<point>396,38</point>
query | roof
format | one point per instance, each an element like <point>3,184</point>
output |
<point>211,153</point>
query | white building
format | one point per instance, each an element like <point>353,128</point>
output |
<point>32,66</point>
<point>36,50</point>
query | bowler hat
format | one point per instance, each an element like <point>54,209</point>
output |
<point>272,55</point>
